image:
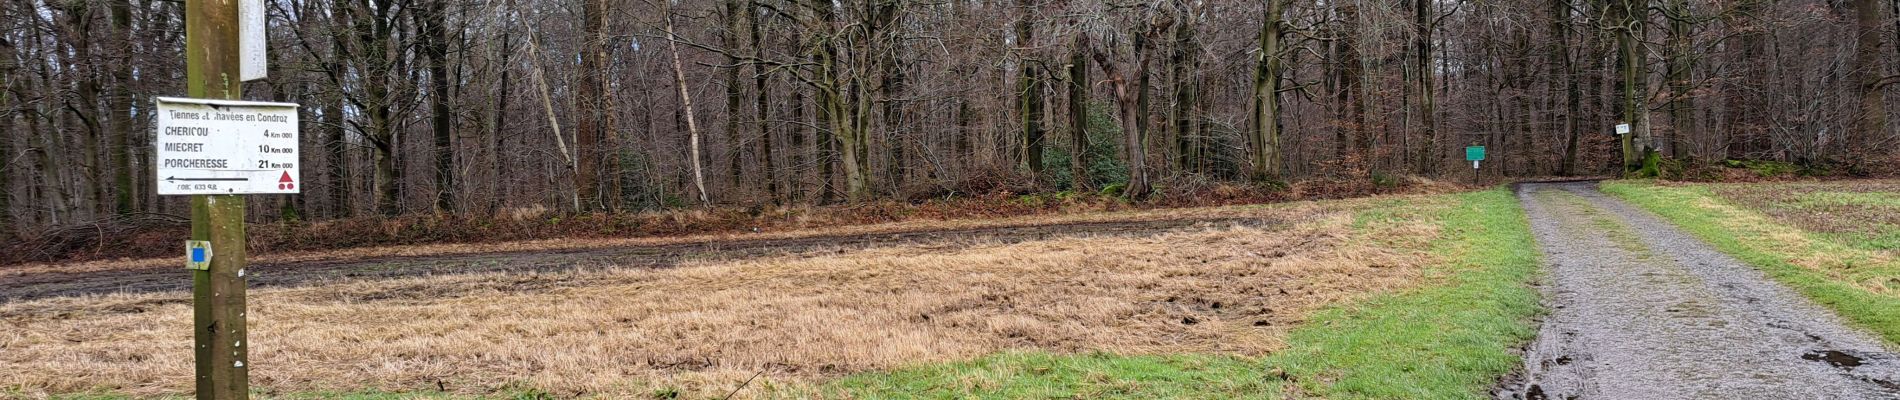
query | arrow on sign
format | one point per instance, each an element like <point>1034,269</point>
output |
<point>170,179</point>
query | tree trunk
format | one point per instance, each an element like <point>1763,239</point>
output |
<point>1681,66</point>
<point>1078,114</point>
<point>686,103</point>
<point>52,192</point>
<point>1143,90</point>
<point>1430,157</point>
<point>497,175</point>
<point>1128,88</point>
<point>125,135</point>
<point>1566,73</point>
<point>1352,88</point>
<point>763,106</point>
<point>374,29</point>
<point>825,149</point>
<point>1742,108</point>
<point>1188,146</point>
<point>335,146</point>
<point>1139,183</point>
<point>587,125</point>
<point>1266,96</point>
<point>86,87</point>
<point>963,158</point>
<point>384,142</point>
<point>1337,56</point>
<point>800,127</point>
<point>966,153</point>
<point>385,180</point>
<point>540,76</point>
<point>1030,89</point>
<point>435,40</point>
<point>1866,74</point>
<point>842,101</point>
<point>1635,93</point>
<point>8,113</point>
<point>735,171</point>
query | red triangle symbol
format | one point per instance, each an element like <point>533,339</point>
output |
<point>284,179</point>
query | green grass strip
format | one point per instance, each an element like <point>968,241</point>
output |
<point>1042,375</point>
<point>1746,235</point>
<point>1446,341</point>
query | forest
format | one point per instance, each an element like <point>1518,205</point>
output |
<point>414,107</point>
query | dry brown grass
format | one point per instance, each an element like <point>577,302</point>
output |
<point>819,228</point>
<point>1841,225</point>
<point>704,327</point>
<point>147,236</point>
<point>1820,206</point>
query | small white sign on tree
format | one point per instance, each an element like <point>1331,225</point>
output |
<point>251,41</point>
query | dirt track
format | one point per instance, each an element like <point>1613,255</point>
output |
<point>157,279</point>
<point>1641,310</point>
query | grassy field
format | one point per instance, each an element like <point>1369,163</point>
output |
<point>1392,297</point>
<point>1835,242</point>
<point>1445,340</point>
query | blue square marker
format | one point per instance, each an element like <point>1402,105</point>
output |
<point>198,255</point>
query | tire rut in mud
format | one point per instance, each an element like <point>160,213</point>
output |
<point>145,280</point>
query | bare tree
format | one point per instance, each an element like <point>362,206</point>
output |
<point>1681,68</point>
<point>1866,72</point>
<point>1029,89</point>
<point>1266,93</point>
<point>686,102</point>
<point>903,99</point>
<point>1126,59</point>
<point>1628,21</point>
<point>1078,84</point>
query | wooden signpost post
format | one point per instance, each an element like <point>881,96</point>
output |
<point>216,150</point>
<point>1474,154</point>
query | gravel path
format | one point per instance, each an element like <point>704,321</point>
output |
<point>1642,310</point>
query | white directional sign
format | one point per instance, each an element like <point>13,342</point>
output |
<point>226,147</point>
